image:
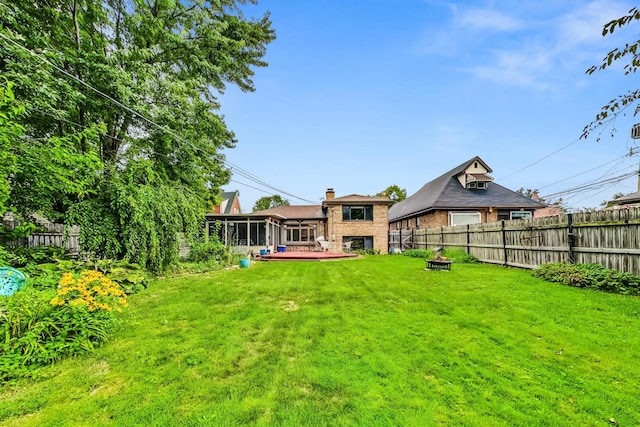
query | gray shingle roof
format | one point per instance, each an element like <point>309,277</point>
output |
<point>230,196</point>
<point>295,212</point>
<point>445,192</point>
<point>629,198</point>
<point>357,198</point>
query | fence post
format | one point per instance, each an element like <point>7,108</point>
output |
<point>570,238</point>
<point>504,244</point>
<point>413,239</point>
<point>468,241</point>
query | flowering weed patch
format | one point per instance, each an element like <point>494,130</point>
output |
<point>38,328</point>
<point>92,290</point>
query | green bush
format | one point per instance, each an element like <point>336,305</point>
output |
<point>460,256</point>
<point>369,251</point>
<point>456,255</point>
<point>36,333</point>
<point>207,251</point>
<point>591,276</point>
<point>130,276</point>
<point>418,253</point>
<point>25,256</point>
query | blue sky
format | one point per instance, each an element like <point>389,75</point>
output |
<point>363,94</point>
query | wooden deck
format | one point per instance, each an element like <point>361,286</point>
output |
<point>304,256</point>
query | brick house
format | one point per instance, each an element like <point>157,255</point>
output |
<point>230,203</point>
<point>362,220</point>
<point>464,195</point>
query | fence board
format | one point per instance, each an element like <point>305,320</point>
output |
<point>49,234</point>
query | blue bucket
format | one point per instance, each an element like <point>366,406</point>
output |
<point>244,263</point>
<point>263,252</point>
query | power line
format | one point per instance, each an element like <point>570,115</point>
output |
<point>591,186</point>
<point>629,154</point>
<point>232,167</point>
<point>538,161</point>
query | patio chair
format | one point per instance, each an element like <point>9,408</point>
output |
<point>318,244</point>
<point>11,280</point>
<point>346,246</point>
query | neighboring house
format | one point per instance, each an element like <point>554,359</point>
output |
<point>361,220</point>
<point>464,195</point>
<point>230,203</point>
<point>630,200</point>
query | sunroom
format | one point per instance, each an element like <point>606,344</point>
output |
<point>245,233</point>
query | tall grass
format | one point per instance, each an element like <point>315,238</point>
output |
<point>374,341</point>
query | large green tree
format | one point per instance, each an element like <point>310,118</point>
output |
<point>630,54</point>
<point>10,132</point>
<point>144,75</point>
<point>268,202</point>
<point>393,192</point>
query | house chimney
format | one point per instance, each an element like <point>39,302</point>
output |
<point>330,194</point>
<point>535,196</point>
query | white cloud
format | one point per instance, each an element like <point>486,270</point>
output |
<point>583,25</point>
<point>486,20</point>
<point>521,68</point>
<point>537,56</point>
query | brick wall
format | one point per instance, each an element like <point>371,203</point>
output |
<point>378,228</point>
<point>439,219</point>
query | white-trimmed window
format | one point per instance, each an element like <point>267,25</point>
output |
<point>463,218</point>
<point>520,215</point>
<point>303,233</point>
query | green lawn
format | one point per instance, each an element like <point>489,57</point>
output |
<point>374,341</point>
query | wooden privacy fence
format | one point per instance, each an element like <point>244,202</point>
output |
<point>610,238</point>
<point>50,234</point>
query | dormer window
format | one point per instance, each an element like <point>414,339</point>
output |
<point>477,181</point>
<point>477,185</point>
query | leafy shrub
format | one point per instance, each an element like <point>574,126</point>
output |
<point>130,277</point>
<point>369,251</point>
<point>207,251</point>
<point>40,327</point>
<point>460,256</point>
<point>26,256</point>
<point>141,217</point>
<point>592,276</point>
<point>418,253</point>
<point>455,255</point>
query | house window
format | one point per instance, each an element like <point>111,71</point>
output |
<point>357,213</point>
<point>359,242</point>
<point>520,215</point>
<point>463,218</point>
<point>300,234</point>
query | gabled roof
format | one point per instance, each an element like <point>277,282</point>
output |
<point>228,197</point>
<point>445,192</point>
<point>293,212</point>
<point>357,198</point>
